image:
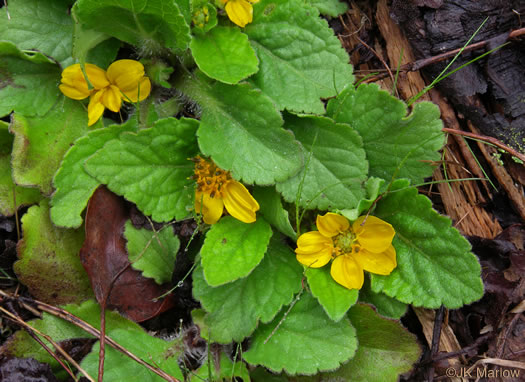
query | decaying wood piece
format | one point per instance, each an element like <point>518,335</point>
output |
<point>513,189</point>
<point>397,46</point>
<point>463,200</point>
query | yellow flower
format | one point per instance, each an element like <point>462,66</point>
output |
<point>366,245</point>
<point>216,189</point>
<point>124,80</point>
<point>239,12</point>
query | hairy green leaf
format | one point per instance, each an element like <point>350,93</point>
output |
<point>22,345</point>
<point>9,192</point>
<point>336,167</point>
<point>49,264</point>
<point>119,367</point>
<point>379,339</point>
<point>334,298</point>
<point>74,186</point>
<point>386,350</point>
<point>241,130</point>
<point>305,342</point>
<point>331,8</point>
<point>232,249</point>
<point>28,82</point>
<point>385,305</point>
<point>396,145</point>
<point>224,54</point>
<point>41,143</point>
<point>301,61</point>
<point>236,308</point>
<point>273,211</point>
<point>434,262</point>
<point>151,25</point>
<point>151,167</point>
<point>43,26</point>
<point>153,253</point>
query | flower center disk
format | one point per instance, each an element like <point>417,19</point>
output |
<point>210,178</point>
<point>346,242</point>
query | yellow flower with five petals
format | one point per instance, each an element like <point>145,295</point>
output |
<point>124,80</point>
<point>216,190</point>
<point>366,245</point>
<point>239,12</point>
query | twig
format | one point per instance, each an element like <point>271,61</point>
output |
<point>379,58</point>
<point>484,138</point>
<point>49,339</point>
<point>65,315</point>
<point>436,336</point>
<point>419,64</point>
<point>102,344</point>
<point>51,353</point>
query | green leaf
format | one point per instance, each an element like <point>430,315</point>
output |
<point>301,61</point>
<point>331,8</point>
<point>240,129</point>
<point>74,186</point>
<point>119,367</point>
<point>223,370</point>
<point>386,350</point>
<point>396,145</point>
<point>151,25</point>
<point>41,143</point>
<point>28,82</point>
<point>49,264</point>
<point>153,253</point>
<point>151,168</point>
<point>93,46</point>
<point>379,340</point>
<point>306,342</point>
<point>236,308</point>
<point>434,262</point>
<point>374,186</point>
<point>385,306</point>
<point>22,345</point>
<point>334,298</point>
<point>232,249</point>
<point>224,54</point>
<point>44,26</point>
<point>22,196</point>
<point>336,167</point>
<point>273,211</point>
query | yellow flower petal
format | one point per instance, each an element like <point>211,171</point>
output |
<point>210,208</point>
<point>126,74</point>
<point>313,242</point>
<point>331,224</point>
<point>95,107</point>
<point>379,263</point>
<point>239,202</point>
<point>239,12</point>
<point>74,84</point>
<point>317,260</point>
<point>143,89</point>
<point>313,249</point>
<point>375,235</point>
<point>347,272</point>
<point>73,92</point>
<point>111,98</point>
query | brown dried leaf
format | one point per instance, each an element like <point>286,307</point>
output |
<point>115,283</point>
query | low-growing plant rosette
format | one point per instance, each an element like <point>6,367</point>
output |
<point>243,119</point>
